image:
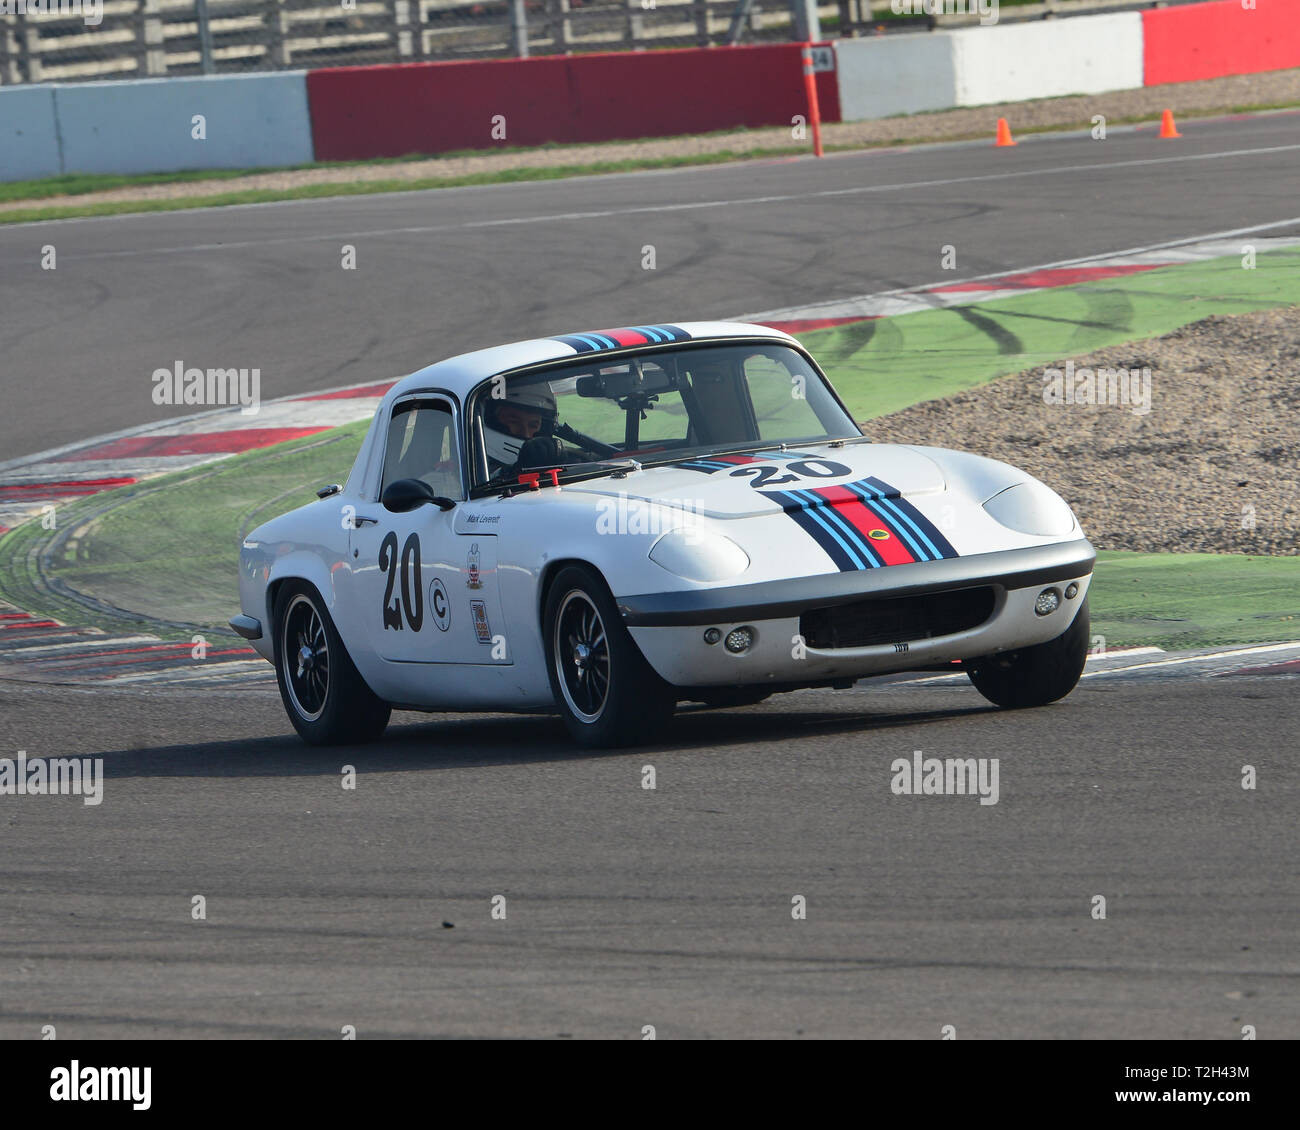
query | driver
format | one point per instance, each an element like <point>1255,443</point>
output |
<point>527,413</point>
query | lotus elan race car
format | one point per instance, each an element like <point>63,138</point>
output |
<point>613,522</point>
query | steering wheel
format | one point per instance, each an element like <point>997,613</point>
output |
<point>579,439</point>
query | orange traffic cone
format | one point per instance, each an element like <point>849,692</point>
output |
<point>1167,128</point>
<point>1004,134</point>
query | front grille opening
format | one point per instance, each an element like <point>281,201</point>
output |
<point>898,619</point>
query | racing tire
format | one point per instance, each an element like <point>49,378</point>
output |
<point>324,695</point>
<point>1035,676</point>
<point>607,693</point>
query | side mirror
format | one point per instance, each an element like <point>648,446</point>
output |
<point>407,494</point>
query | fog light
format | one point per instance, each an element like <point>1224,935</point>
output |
<point>711,636</point>
<point>1071,591</point>
<point>738,640</point>
<point>1049,600</point>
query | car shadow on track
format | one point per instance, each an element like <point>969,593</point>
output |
<point>474,741</point>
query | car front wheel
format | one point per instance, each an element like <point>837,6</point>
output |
<point>607,693</point>
<point>1035,676</point>
<point>324,695</point>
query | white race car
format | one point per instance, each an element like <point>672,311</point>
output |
<point>609,523</point>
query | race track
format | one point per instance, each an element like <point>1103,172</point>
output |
<point>625,906</point>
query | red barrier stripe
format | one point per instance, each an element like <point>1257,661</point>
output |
<point>201,443</point>
<point>351,393</point>
<point>1055,276</point>
<point>60,489</point>
<point>803,325</point>
<point>1203,41</point>
<point>396,109</point>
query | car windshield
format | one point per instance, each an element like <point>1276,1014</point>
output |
<point>657,407</point>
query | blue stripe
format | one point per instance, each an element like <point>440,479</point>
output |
<point>918,521</point>
<point>821,509</point>
<point>651,332</point>
<point>871,495</point>
<point>901,516</point>
<point>797,510</point>
<point>673,333</point>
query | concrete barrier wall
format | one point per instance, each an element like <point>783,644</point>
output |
<point>1048,58</point>
<point>900,74</point>
<point>29,139</point>
<point>389,111</point>
<point>1211,40</point>
<point>148,125</point>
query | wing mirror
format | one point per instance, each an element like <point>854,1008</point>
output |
<point>407,494</point>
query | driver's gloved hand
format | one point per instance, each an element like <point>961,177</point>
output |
<point>539,452</point>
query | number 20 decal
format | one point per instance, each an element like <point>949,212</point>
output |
<point>800,469</point>
<point>412,598</point>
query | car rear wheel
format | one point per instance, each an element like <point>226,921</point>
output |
<point>324,695</point>
<point>607,693</point>
<point>1035,676</point>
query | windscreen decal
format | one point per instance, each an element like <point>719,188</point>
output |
<point>594,341</point>
<point>865,524</point>
<point>717,463</point>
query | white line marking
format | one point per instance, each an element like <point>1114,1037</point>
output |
<point>1196,659</point>
<point>788,313</point>
<point>687,206</point>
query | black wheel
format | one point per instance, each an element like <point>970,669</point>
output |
<point>720,698</point>
<point>606,691</point>
<point>1035,676</point>
<point>325,697</point>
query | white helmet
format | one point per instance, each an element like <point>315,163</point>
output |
<point>502,446</point>
<point>536,398</point>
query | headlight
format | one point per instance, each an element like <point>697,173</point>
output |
<point>699,555</point>
<point>1032,508</point>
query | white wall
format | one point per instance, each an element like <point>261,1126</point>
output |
<point>29,139</point>
<point>1047,58</point>
<point>146,126</point>
<point>895,74</point>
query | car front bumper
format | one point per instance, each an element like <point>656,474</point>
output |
<point>669,627</point>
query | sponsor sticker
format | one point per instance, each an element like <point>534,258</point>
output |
<point>478,613</point>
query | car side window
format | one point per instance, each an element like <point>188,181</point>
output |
<point>422,445</point>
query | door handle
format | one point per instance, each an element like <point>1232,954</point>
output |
<point>362,520</point>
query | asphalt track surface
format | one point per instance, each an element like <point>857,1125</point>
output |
<point>442,272</point>
<point>625,906</point>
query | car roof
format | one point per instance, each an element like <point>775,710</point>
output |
<point>460,374</point>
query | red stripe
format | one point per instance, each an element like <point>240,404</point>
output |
<point>201,443</point>
<point>351,393</point>
<point>864,519</point>
<point>1056,276</point>
<point>61,488</point>
<point>803,325</point>
<point>75,664</point>
<point>625,337</point>
<point>735,459</point>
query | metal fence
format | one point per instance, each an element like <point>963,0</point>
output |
<point>144,38</point>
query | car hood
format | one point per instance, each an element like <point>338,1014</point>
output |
<point>742,486</point>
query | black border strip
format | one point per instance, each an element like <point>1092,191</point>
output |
<point>1011,568</point>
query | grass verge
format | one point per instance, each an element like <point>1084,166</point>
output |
<point>167,548</point>
<point>75,184</point>
<point>888,364</point>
